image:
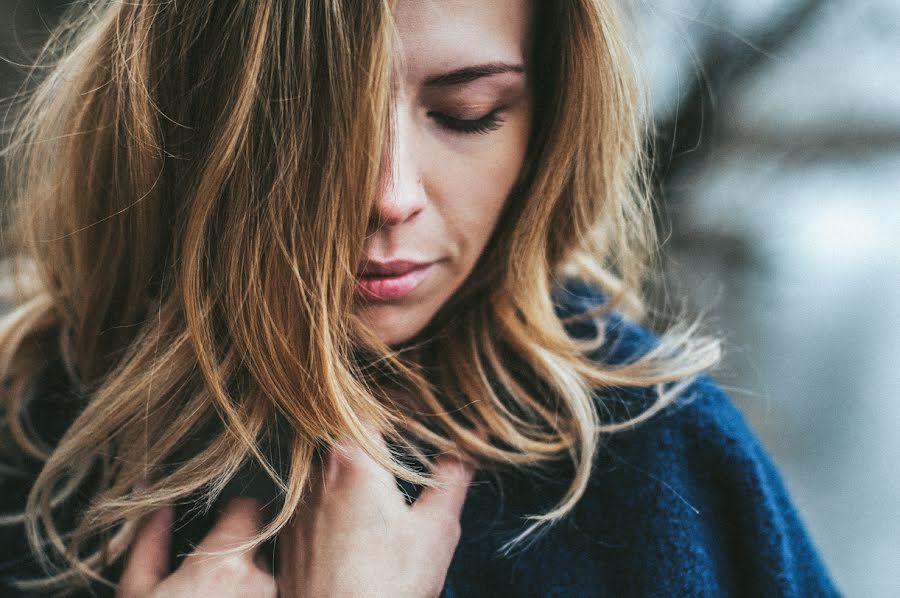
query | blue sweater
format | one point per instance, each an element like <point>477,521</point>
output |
<point>685,504</point>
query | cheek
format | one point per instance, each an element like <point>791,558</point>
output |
<point>471,180</point>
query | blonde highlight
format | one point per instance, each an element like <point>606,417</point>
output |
<point>189,256</point>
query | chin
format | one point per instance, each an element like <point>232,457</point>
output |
<point>393,324</point>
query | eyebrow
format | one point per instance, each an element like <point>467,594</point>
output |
<point>471,73</point>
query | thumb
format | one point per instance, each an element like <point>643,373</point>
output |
<point>148,558</point>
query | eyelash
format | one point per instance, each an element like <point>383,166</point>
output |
<point>487,123</point>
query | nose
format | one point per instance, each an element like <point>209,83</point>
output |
<point>401,194</point>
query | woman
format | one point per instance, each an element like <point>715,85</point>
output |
<point>299,272</point>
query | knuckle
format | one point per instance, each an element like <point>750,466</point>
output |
<point>346,461</point>
<point>236,568</point>
<point>353,464</point>
<point>460,474</point>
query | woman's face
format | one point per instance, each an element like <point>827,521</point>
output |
<point>461,123</point>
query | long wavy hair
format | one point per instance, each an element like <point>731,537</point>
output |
<point>189,189</point>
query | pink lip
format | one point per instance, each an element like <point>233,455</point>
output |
<point>384,281</point>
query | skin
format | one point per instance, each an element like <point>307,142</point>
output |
<point>443,189</point>
<point>354,536</point>
<point>442,192</point>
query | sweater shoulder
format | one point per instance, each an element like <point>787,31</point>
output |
<point>691,500</point>
<point>700,407</point>
<point>687,502</point>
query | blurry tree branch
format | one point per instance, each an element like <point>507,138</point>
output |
<point>724,59</point>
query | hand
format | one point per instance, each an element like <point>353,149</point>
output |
<point>146,572</point>
<point>358,537</point>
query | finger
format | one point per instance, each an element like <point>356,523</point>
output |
<point>352,470</point>
<point>239,522</point>
<point>148,557</point>
<point>452,477</point>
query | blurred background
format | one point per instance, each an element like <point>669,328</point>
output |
<point>778,166</point>
<point>779,172</point>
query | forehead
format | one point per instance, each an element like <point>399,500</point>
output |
<point>446,34</point>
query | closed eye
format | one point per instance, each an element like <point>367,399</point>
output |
<point>485,124</point>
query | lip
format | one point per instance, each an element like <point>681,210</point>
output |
<point>370,267</point>
<point>385,281</point>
